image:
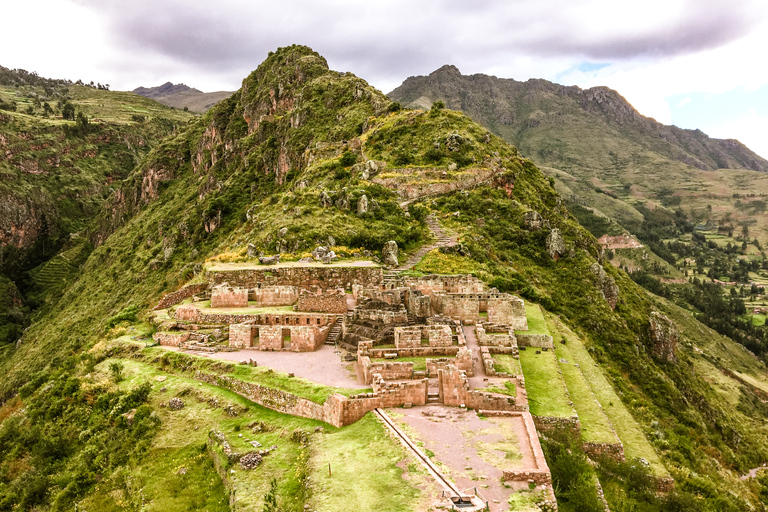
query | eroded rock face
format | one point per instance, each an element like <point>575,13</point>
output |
<point>389,253</point>
<point>555,244</point>
<point>606,284</point>
<point>664,336</point>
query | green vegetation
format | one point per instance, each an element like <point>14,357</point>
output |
<point>535,318</point>
<point>546,391</point>
<point>365,469</point>
<point>507,363</point>
<point>508,389</point>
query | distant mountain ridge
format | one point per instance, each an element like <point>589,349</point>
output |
<point>521,112</point>
<point>181,95</point>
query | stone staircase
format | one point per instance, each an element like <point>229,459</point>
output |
<point>433,397</point>
<point>335,332</point>
<point>442,239</point>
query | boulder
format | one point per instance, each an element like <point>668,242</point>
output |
<point>664,336</point>
<point>329,257</point>
<point>533,220</point>
<point>606,284</point>
<point>331,241</point>
<point>342,200</point>
<point>252,251</point>
<point>319,252</point>
<point>370,168</point>
<point>389,253</point>
<point>362,205</point>
<point>282,232</point>
<point>555,244</point>
<point>269,260</point>
<point>325,200</point>
<point>175,404</point>
<point>454,141</point>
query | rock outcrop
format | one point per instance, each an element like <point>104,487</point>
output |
<point>555,244</point>
<point>664,336</point>
<point>389,254</point>
<point>606,284</point>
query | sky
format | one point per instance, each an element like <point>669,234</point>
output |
<point>691,63</point>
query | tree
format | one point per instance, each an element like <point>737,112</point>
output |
<point>68,111</point>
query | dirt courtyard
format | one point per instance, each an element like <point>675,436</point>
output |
<point>470,450</point>
<point>322,366</point>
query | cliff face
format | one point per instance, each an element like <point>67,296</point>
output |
<point>518,110</point>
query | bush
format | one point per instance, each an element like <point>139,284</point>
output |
<point>348,158</point>
<point>127,314</point>
<point>116,369</point>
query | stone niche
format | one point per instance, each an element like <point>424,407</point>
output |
<point>225,296</point>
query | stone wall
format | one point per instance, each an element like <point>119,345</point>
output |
<point>612,450</point>
<point>419,305</point>
<point>454,391</point>
<point>296,338</point>
<point>168,339</point>
<point>382,316</point>
<point>458,306</point>
<point>328,302</point>
<point>434,283</point>
<point>270,337</point>
<point>329,277</point>
<point>546,423</point>
<point>241,335</point>
<point>508,310</point>
<point>540,474</point>
<point>395,394</point>
<point>187,313</point>
<point>274,295</point>
<point>415,352</point>
<point>408,337</point>
<point>229,297</point>
<point>439,335</point>
<point>535,340</point>
<point>507,339</point>
<point>388,370</point>
<point>463,362</point>
<point>179,295</point>
<point>193,314</point>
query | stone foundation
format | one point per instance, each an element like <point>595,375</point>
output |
<point>170,339</point>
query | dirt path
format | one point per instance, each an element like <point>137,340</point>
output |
<point>442,239</point>
<point>477,360</point>
<point>753,472</point>
<point>471,451</point>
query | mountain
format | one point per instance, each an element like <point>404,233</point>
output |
<point>182,96</point>
<point>604,154</point>
<point>303,156</point>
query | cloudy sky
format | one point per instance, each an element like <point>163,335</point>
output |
<point>692,63</point>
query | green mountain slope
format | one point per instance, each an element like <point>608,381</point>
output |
<point>297,147</point>
<point>620,159</point>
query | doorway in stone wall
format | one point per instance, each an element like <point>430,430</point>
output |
<point>287,338</point>
<point>255,338</point>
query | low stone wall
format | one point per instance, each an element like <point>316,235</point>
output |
<point>535,340</point>
<point>395,394</point>
<point>463,361</point>
<point>229,297</point>
<point>664,483</point>
<point>185,292</point>
<point>612,450</point>
<point>454,391</point>
<point>506,339</point>
<point>379,315</point>
<point>388,370</point>
<point>487,358</point>
<point>193,314</point>
<point>326,278</point>
<point>546,423</point>
<point>408,337</point>
<point>415,352</point>
<point>540,474</point>
<point>170,339</point>
<point>330,302</point>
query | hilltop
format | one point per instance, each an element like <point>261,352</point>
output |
<point>182,96</point>
<point>303,156</point>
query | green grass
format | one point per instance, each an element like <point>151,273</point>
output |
<point>536,323</point>
<point>366,471</point>
<point>757,320</point>
<point>545,387</point>
<point>508,389</point>
<point>257,375</point>
<point>507,364</point>
<point>626,427</point>
<point>595,425</point>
